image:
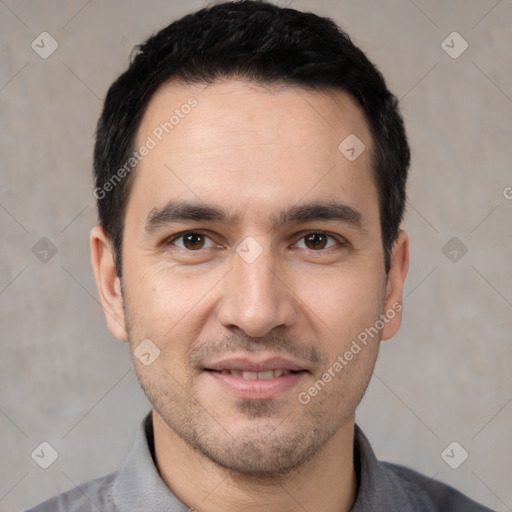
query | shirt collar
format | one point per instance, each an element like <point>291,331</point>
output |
<point>138,485</point>
<point>379,488</point>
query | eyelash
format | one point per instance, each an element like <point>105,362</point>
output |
<point>340,242</point>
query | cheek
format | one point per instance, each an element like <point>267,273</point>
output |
<point>343,303</point>
<point>168,308</point>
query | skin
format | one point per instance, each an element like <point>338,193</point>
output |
<point>256,151</point>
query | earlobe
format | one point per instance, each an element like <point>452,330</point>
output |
<point>109,284</point>
<point>395,285</point>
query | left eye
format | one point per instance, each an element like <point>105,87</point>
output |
<point>318,241</point>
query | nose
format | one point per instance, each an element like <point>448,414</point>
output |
<point>256,297</point>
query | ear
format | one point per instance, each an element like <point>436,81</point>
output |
<point>109,284</point>
<point>395,285</point>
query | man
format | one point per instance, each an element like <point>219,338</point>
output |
<point>250,174</point>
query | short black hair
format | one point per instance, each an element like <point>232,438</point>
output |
<point>259,42</point>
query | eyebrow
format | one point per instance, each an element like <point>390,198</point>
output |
<point>182,211</point>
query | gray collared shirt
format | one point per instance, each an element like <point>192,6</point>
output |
<point>137,486</point>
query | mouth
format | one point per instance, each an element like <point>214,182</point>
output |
<point>256,379</point>
<point>264,375</point>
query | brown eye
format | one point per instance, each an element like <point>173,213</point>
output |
<point>192,241</point>
<point>316,241</point>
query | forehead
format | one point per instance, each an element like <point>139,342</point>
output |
<point>241,143</point>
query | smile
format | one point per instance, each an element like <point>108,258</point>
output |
<point>252,377</point>
<point>265,375</point>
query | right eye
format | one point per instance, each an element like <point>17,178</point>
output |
<point>191,241</point>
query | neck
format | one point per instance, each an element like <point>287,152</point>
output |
<point>327,482</point>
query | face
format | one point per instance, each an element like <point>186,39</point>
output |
<point>252,260</point>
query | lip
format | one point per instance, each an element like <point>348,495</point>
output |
<point>254,364</point>
<point>255,389</point>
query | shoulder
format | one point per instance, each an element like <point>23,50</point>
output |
<point>384,486</point>
<point>88,497</point>
<point>430,494</point>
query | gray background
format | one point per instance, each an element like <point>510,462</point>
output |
<point>445,377</point>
